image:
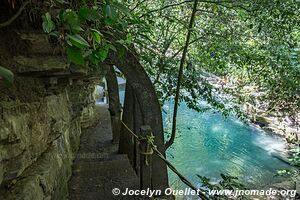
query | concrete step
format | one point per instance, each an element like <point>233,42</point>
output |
<point>96,179</point>
<point>98,169</point>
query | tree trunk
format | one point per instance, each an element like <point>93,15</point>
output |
<point>179,79</point>
<point>114,103</point>
<point>150,110</point>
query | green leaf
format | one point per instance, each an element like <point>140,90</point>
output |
<point>128,38</point>
<point>55,34</point>
<point>78,41</point>
<point>102,54</point>
<point>6,75</point>
<point>75,55</point>
<point>88,14</point>
<point>48,25</point>
<point>71,18</point>
<point>93,57</point>
<point>87,53</point>
<point>109,21</point>
<point>96,35</point>
<point>110,12</point>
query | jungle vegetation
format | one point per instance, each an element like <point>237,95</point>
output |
<point>181,44</point>
<point>250,42</point>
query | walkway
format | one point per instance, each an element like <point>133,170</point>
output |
<point>98,168</point>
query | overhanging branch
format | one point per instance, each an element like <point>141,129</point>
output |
<point>223,4</point>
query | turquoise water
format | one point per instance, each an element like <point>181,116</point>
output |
<point>209,144</point>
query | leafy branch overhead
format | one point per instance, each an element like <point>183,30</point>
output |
<point>251,43</point>
<point>89,32</point>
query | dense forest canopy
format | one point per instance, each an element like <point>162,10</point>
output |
<point>251,43</point>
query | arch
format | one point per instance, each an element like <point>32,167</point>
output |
<point>150,109</point>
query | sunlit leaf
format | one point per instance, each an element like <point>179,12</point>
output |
<point>96,35</point>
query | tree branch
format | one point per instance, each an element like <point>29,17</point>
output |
<point>203,1</point>
<point>180,74</point>
<point>137,5</point>
<point>165,7</point>
<point>11,20</point>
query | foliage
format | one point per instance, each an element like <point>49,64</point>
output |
<point>288,173</point>
<point>88,30</point>
<point>294,157</point>
<point>250,42</point>
<point>6,75</point>
<point>294,160</point>
<point>48,24</point>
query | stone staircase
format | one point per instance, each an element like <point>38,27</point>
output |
<point>98,169</point>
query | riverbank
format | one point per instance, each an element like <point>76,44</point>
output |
<point>258,112</point>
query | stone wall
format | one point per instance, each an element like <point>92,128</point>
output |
<point>41,118</point>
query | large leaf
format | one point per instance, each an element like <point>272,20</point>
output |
<point>88,14</point>
<point>110,12</point>
<point>78,41</point>
<point>6,75</point>
<point>75,55</point>
<point>71,18</point>
<point>48,25</point>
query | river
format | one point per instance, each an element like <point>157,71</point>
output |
<point>209,144</point>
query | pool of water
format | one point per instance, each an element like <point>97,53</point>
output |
<point>209,144</point>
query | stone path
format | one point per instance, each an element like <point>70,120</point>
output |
<point>98,168</point>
